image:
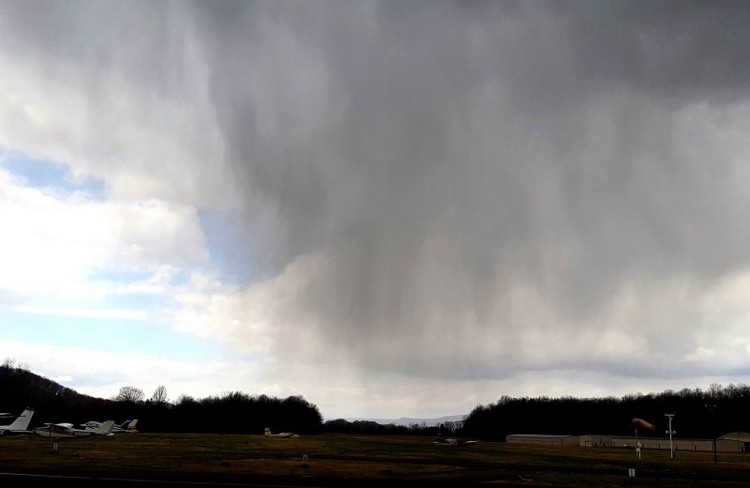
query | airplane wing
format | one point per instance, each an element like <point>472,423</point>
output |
<point>50,430</point>
<point>64,429</point>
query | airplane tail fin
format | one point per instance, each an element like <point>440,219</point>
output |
<point>22,421</point>
<point>267,432</point>
<point>133,424</point>
<point>105,428</point>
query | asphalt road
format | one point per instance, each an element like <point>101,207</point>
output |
<point>25,480</point>
<point>15,480</point>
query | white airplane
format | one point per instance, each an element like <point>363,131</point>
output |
<point>268,433</point>
<point>67,430</point>
<point>127,426</point>
<point>19,425</point>
<point>453,441</point>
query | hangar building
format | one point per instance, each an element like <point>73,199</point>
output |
<point>542,439</point>
<point>731,442</point>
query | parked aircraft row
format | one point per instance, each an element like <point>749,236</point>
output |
<point>66,430</point>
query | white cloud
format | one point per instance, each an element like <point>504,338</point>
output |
<point>143,145</point>
<point>106,313</point>
<point>54,242</point>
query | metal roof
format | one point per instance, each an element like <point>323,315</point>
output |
<point>736,436</point>
<point>546,436</point>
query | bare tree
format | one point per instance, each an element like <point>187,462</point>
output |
<point>160,395</point>
<point>130,394</point>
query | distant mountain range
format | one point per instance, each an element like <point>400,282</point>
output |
<point>429,422</point>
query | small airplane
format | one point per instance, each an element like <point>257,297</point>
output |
<point>127,426</point>
<point>268,433</point>
<point>454,441</point>
<point>19,425</point>
<point>66,430</point>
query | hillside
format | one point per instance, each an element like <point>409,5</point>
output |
<point>20,388</point>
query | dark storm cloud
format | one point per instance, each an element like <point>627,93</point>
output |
<point>446,157</point>
<point>129,39</point>
<point>465,172</point>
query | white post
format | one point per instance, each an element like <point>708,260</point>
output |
<point>670,432</point>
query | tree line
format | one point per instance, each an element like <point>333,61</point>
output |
<point>343,426</point>
<point>698,413</point>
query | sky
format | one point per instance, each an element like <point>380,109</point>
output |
<point>389,208</point>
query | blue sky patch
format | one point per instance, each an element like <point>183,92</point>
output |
<point>107,335</point>
<point>48,174</point>
<point>120,275</point>
<point>234,261</point>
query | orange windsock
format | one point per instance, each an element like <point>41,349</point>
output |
<point>642,424</point>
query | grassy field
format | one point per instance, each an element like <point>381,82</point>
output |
<point>344,459</point>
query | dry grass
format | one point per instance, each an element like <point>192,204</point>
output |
<point>332,458</point>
